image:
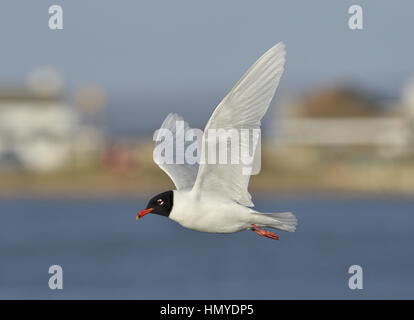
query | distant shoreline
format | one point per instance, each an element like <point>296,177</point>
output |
<point>277,176</point>
<point>138,193</point>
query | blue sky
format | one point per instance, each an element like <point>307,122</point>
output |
<point>183,50</point>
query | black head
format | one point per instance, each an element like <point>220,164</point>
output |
<point>160,204</point>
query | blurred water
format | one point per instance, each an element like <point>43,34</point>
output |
<point>106,253</point>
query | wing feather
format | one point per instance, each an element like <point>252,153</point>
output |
<point>182,173</point>
<point>242,108</point>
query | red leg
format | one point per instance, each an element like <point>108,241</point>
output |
<point>265,233</point>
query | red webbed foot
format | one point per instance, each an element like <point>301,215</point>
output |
<point>265,233</point>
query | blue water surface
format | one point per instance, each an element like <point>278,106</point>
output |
<point>106,254</point>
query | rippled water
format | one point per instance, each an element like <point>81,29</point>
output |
<point>106,253</point>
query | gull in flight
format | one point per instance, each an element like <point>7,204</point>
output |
<point>210,196</point>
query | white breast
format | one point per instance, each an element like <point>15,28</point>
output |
<point>209,214</point>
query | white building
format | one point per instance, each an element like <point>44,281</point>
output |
<point>41,132</point>
<point>346,121</point>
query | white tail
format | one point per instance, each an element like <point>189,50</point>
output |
<point>285,221</point>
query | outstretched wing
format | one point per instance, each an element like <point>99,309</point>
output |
<point>172,141</point>
<point>242,108</point>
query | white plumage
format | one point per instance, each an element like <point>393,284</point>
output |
<point>212,213</point>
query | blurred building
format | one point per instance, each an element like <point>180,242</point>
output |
<point>345,118</point>
<point>40,131</point>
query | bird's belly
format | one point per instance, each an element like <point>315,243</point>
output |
<point>214,220</point>
<point>213,227</point>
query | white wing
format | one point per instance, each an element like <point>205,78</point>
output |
<point>170,148</point>
<point>242,108</point>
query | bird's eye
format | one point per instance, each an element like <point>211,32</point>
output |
<point>160,202</point>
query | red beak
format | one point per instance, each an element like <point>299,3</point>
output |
<point>144,212</point>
